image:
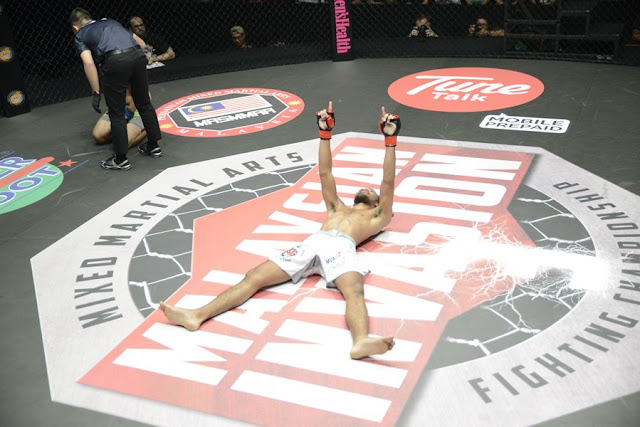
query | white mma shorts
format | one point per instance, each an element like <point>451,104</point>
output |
<point>327,253</point>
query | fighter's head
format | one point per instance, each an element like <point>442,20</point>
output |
<point>368,196</point>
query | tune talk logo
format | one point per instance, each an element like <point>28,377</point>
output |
<point>464,90</point>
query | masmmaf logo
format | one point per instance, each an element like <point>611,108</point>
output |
<point>229,112</point>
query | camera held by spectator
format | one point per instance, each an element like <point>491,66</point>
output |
<point>422,28</point>
<point>482,29</point>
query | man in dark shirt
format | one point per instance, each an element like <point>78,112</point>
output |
<point>157,50</point>
<point>122,64</point>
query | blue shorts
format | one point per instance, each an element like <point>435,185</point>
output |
<point>135,120</point>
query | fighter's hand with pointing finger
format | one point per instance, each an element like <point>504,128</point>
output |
<point>326,120</point>
<point>390,127</point>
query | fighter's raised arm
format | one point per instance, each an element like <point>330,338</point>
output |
<point>326,120</point>
<point>390,127</point>
<point>329,252</point>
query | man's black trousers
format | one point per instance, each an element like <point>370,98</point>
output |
<point>120,71</point>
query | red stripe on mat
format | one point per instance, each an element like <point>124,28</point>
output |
<point>25,171</point>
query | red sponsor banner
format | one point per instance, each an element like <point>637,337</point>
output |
<point>282,357</point>
<point>466,89</point>
<point>228,112</point>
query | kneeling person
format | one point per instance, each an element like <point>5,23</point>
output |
<point>135,129</point>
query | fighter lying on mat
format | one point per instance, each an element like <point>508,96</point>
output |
<point>330,252</point>
<point>135,128</point>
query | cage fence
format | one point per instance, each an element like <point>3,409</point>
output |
<point>280,32</point>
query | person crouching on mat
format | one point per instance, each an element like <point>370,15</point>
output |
<point>330,252</point>
<point>135,128</point>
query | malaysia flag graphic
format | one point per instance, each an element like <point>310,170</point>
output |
<point>223,107</point>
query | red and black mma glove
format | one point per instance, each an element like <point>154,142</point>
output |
<point>390,136</point>
<point>325,125</point>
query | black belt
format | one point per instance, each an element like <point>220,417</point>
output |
<point>119,51</point>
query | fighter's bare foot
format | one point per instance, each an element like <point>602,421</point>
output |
<point>182,316</point>
<point>369,346</point>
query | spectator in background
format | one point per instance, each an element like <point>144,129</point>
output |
<point>157,50</point>
<point>239,38</point>
<point>482,29</point>
<point>422,28</point>
<point>635,32</point>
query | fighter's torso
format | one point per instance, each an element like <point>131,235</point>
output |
<point>360,224</point>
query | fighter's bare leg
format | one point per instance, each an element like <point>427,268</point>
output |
<point>352,287</point>
<point>135,134</point>
<point>102,132</point>
<point>262,276</point>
